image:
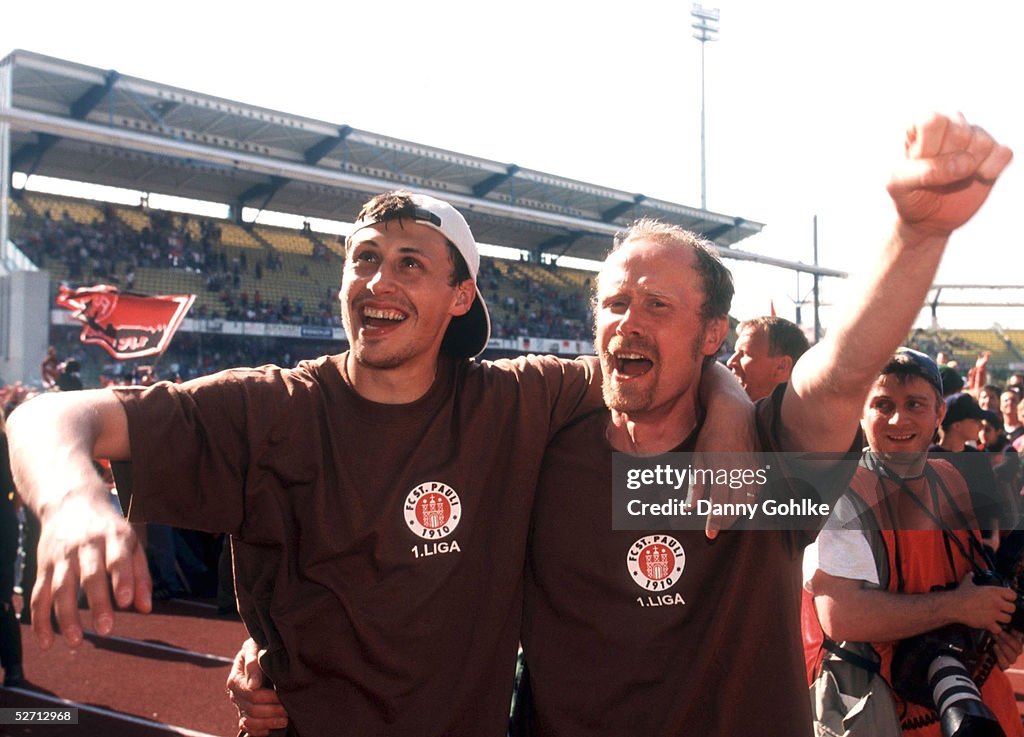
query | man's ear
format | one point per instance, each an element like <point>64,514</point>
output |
<point>714,334</point>
<point>465,293</point>
<point>783,368</point>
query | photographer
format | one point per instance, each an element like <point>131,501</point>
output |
<point>897,558</point>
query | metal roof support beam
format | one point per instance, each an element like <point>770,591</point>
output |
<point>494,181</point>
<point>317,151</point>
<point>935,306</point>
<point>209,156</point>
<point>621,209</point>
<point>33,153</point>
<point>721,230</point>
<point>85,104</point>
<point>266,190</point>
<point>561,242</point>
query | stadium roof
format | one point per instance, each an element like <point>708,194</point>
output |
<point>78,122</point>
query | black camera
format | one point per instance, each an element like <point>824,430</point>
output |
<point>941,668</point>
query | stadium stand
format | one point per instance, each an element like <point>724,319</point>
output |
<point>285,241</point>
<point>78,211</point>
<point>271,274</point>
<point>963,346</point>
<point>135,219</point>
<point>258,273</point>
<point>237,236</point>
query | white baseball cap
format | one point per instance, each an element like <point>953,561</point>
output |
<point>467,335</point>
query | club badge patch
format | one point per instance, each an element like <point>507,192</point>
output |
<point>432,510</point>
<point>655,562</point>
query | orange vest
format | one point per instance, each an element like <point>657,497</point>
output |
<point>919,560</point>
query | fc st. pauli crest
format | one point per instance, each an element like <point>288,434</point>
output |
<point>432,512</point>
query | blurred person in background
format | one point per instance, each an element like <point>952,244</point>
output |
<point>1012,425</point>
<point>988,399</point>
<point>10,633</point>
<point>766,350</point>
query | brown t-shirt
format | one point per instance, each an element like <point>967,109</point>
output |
<point>378,549</point>
<point>612,651</point>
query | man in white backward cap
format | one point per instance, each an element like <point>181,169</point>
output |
<point>379,499</point>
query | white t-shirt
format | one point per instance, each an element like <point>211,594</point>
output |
<point>840,550</point>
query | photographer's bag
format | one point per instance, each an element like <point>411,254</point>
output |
<point>849,697</point>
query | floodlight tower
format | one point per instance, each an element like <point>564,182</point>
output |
<point>706,29</point>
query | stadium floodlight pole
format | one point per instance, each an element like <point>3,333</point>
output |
<point>817,294</point>
<point>706,27</point>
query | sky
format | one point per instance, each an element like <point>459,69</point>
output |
<point>807,103</point>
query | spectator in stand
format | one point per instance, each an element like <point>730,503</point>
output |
<point>10,632</point>
<point>1018,442</point>
<point>952,381</point>
<point>767,348</point>
<point>14,395</point>
<point>1002,456</point>
<point>961,424</point>
<point>988,399</point>
<point>977,376</point>
<point>70,378</point>
<point>11,397</point>
<point>1008,402</point>
<point>991,436</point>
<point>958,434</point>
<point>50,368</point>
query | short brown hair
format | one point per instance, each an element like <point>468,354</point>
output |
<point>399,205</point>
<point>715,278</point>
<point>785,338</point>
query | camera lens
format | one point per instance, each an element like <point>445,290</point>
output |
<point>958,701</point>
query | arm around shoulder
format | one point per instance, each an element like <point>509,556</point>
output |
<point>729,420</point>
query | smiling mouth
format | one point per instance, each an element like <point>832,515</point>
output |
<point>631,365</point>
<point>376,317</point>
<point>901,438</point>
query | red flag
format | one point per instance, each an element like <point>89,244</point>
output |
<point>773,308</point>
<point>126,325</point>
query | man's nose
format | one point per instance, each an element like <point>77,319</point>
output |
<point>382,280</point>
<point>630,323</point>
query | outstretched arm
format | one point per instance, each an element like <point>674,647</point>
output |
<point>53,440</point>
<point>977,375</point>
<point>948,172</point>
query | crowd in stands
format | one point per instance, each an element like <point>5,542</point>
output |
<point>933,343</point>
<point>189,356</point>
<point>108,250</point>
<point>239,306</point>
<point>542,312</point>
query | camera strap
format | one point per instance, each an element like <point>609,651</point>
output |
<point>936,485</point>
<point>977,549</point>
<point>871,666</point>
